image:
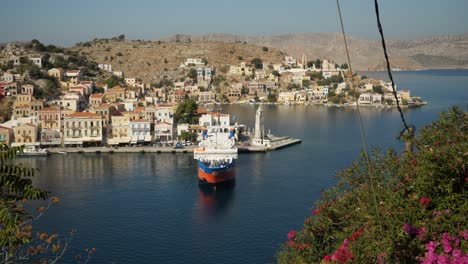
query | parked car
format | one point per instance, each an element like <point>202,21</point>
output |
<point>178,145</point>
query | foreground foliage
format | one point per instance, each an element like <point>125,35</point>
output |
<point>400,209</point>
<point>19,243</point>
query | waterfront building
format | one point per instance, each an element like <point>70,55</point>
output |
<point>50,118</point>
<point>405,95</point>
<point>286,97</point>
<point>163,131</point>
<point>6,135</point>
<point>365,98</point>
<point>83,128</point>
<point>389,97</point>
<point>50,137</point>
<point>214,119</point>
<point>25,134</point>
<point>118,129</point>
<point>233,95</point>
<point>140,131</point>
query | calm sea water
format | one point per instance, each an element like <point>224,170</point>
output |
<point>149,208</point>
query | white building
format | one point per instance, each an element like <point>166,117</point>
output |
<point>163,131</point>
<point>214,119</point>
<point>164,115</point>
<point>105,67</point>
<point>140,131</point>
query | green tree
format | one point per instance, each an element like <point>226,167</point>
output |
<point>186,112</point>
<point>112,81</point>
<point>272,98</point>
<point>121,37</point>
<point>344,66</point>
<point>377,89</point>
<point>98,90</point>
<point>192,74</point>
<point>318,64</point>
<point>17,243</point>
<point>276,73</point>
<point>188,136</point>
<point>265,49</point>
<point>257,62</point>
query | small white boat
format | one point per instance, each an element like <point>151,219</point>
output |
<point>33,151</point>
<point>62,153</point>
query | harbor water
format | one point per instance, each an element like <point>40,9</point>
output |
<point>150,208</point>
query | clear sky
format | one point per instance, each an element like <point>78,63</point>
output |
<point>65,22</point>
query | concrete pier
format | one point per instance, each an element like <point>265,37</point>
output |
<point>278,143</point>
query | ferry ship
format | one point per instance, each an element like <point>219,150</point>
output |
<point>216,155</point>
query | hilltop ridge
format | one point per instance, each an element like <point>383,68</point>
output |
<point>447,51</point>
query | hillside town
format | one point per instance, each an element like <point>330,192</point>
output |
<point>68,100</point>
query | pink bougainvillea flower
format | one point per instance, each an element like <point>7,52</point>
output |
<point>316,212</point>
<point>327,258</point>
<point>291,234</point>
<point>355,235</point>
<point>342,254</point>
<point>424,201</point>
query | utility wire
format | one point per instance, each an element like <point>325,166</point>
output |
<point>364,142</point>
<point>384,46</point>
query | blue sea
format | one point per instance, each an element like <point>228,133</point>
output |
<point>150,208</point>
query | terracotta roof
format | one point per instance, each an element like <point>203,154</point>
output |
<point>86,82</point>
<point>166,123</point>
<point>140,121</point>
<point>45,109</point>
<point>22,106</point>
<point>84,115</point>
<point>201,111</point>
<point>97,95</point>
<point>215,114</point>
<point>7,128</point>
<point>115,88</point>
<point>28,124</point>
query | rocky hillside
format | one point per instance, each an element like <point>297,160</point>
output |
<point>434,52</point>
<point>153,60</point>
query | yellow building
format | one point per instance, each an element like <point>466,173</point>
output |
<point>26,134</point>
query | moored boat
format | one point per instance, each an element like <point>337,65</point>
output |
<point>215,155</point>
<point>33,151</point>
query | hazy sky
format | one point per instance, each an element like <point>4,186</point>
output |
<point>65,22</point>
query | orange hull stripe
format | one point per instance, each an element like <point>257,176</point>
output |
<point>222,177</point>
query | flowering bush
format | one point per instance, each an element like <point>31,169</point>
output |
<point>398,208</point>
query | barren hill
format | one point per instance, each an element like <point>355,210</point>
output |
<point>152,60</point>
<point>433,52</point>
